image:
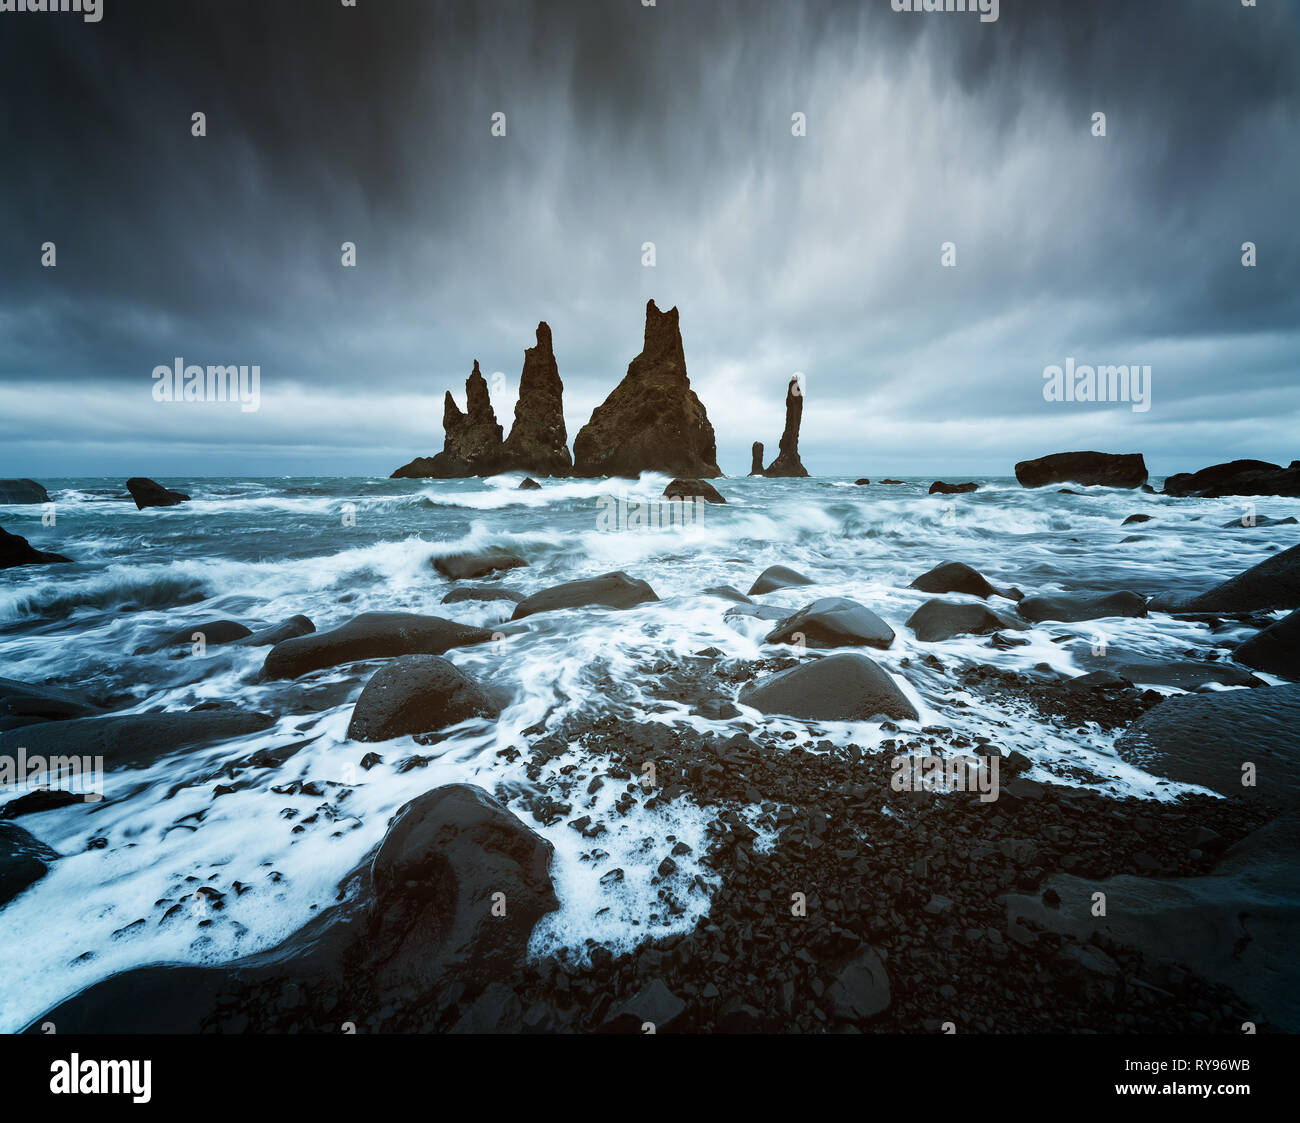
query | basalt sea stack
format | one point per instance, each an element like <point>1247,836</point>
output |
<point>787,464</point>
<point>538,442</point>
<point>472,446</point>
<point>652,422</point>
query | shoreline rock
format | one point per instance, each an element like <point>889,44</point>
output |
<point>22,492</point>
<point>693,489</point>
<point>16,551</point>
<point>1087,469</point>
<point>610,590</point>
<point>150,493</point>
<point>1238,477</point>
<point>372,635</point>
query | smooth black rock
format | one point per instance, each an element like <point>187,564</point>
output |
<point>654,1005</point>
<point>1136,519</point>
<point>693,489</point>
<point>833,688</point>
<point>726,592</point>
<point>759,612</point>
<point>23,861</point>
<point>1073,607</point>
<point>957,577</point>
<point>1276,649</point>
<point>214,633</point>
<point>1247,522</point>
<point>529,484</point>
<point>26,703</point>
<point>150,493</point>
<point>1183,674</point>
<point>417,694</point>
<point>833,622</point>
<point>291,628</point>
<point>16,492</point>
<point>1272,585</point>
<point>1238,477</point>
<point>938,620</point>
<point>941,488</point>
<point>862,482</point>
<point>476,563</point>
<point>777,577</point>
<point>861,990</point>
<point>1088,469</point>
<point>15,550</point>
<point>481,593</point>
<point>610,590</point>
<point>372,635</point>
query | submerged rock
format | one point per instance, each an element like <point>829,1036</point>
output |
<point>938,620</point>
<point>610,590</point>
<point>26,703</point>
<point>652,422</point>
<point>941,488</point>
<point>833,688</point>
<point>1250,522</point>
<point>726,592</point>
<point>213,632</point>
<point>150,493</point>
<point>287,629</point>
<point>1088,469</point>
<point>862,482</point>
<point>957,577</point>
<point>481,593</point>
<point>833,622</point>
<point>476,563</point>
<point>529,484</point>
<point>16,492</point>
<point>417,694</point>
<point>693,489</point>
<point>15,550</point>
<point>777,577</point>
<point>1276,649</point>
<point>1239,477</point>
<point>23,861</point>
<point>787,465</point>
<point>1074,607</point>
<point>1273,584</point>
<point>372,635</point>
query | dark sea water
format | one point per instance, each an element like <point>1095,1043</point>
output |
<point>261,550</point>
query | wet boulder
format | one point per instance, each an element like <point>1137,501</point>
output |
<point>693,489</point>
<point>21,492</point>
<point>417,694</point>
<point>212,633</point>
<point>957,577</point>
<point>833,688</point>
<point>476,563</point>
<point>1238,477</point>
<point>1273,584</point>
<point>777,577</point>
<point>938,620</point>
<point>833,622</point>
<point>727,592</point>
<point>610,590</point>
<point>529,484</point>
<point>1250,522</point>
<point>15,550</point>
<point>941,488</point>
<point>1088,469</point>
<point>1275,650</point>
<point>481,593</point>
<point>372,635</point>
<point>1072,608</point>
<point>291,628</point>
<point>27,703</point>
<point>150,493</point>
<point>23,861</point>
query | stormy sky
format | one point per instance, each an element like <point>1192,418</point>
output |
<point>628,124</point>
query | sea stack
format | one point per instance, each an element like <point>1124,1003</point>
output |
<point>652,422</point>
<point>472,445</point>
<point>756,464</point>
<point>787,465</point>
<point>538,442</point>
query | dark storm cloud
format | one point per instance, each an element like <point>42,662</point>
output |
<point>672,125</point>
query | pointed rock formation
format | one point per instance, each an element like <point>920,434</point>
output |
<point>472,445</point>
<point>538,442</point>
<point>756,464</point>
<point>652,422</point>
<point>787,464</point>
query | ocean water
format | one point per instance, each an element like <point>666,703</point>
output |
<point>260,550</point>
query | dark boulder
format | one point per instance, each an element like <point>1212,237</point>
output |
<point>1205,739</point>
<point>214,634</point>
<point>862,482</point>
<point>1249,522</point>
<point>150,493</point>
<point>653,1005</point>
<point>23,861</point>
<point>15,550</point>
<point>481,593</point>
<point>529,484</point>
<point>1088,469</point>
<point>759,612</point>
<point>476,563</point>
<point>957,577</point>
<point>372,635</point>
<point>1181,674</point>
<point>652,421</point>
<point>756,459</point>
<point>1073,607</point>
<point>610,590</point>
<point>26,703</point>
<point>938,620</point>
<point>132,740</point>
<point>1276,649</point>
<point>291,628</point>
<point>833,688</point>
<point>1272,585</point>
<point>1239,477</point>
<point>417,694</point>
<point>1136,519</point>
<point>538,441</point>
<point>693,489</point>
<point>15,492</point>
<point>425,925</point>
<point>777,577</point>
<point>861,990</point>
<point>787,465</point>
<point>726,592</point>
<point>833,622</point>
<point>941,488</point>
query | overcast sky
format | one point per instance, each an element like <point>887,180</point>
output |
<point>669,124</point>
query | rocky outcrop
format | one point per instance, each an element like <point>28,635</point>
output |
<point>472,441</point>
<point>833,688</point>
<point>150,493</point>
<point>529,484</point>
<point>1267,587</point>
<point>372,635</point>
<point>417,694</point>
<point>941,488</point>
<point>419,935</point>
<point>21,492</point>
<point>652,422</point>
<point>610,590</point>
<point>1276,649</point>
<point>538,442</point>
<point>693,489</point>
<point>1089,469</point>
<point>787,465</point>
<point>1238,477</point>
<point>15,550</point>
<point>756,459</point>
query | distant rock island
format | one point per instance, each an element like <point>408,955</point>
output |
<point>787,465</point>
<point>651,422</point>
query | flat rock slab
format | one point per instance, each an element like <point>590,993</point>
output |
<point>835,688</point>
<point>777,577</point>
<point>833,622</point>
<point>477,563</point>
<point>1205,739</point>
<point>1181,674</point>
<point>610,590</point>
<point>372,635</point>
<point>131,740</point>
<point>1072,608</point>
<point>938,620</point>
<point>417,694</point>
<point>1276,649</point>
